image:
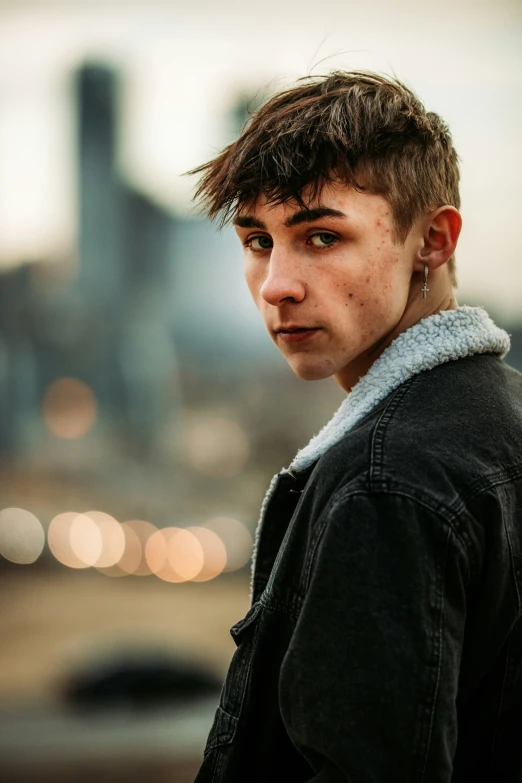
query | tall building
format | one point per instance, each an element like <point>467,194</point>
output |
<point>121,293</point>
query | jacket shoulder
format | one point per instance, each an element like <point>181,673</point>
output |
<point>461,419</point>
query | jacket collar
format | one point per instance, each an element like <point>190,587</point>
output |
<point>439,338</point>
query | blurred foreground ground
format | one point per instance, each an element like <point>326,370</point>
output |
<point>75,618</point>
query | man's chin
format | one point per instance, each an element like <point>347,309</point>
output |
<point>312,371</point>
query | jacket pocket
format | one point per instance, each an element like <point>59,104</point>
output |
<point>235,687</point>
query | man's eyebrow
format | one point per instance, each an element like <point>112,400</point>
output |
<point>310,215</point>
<point>303,216</point>
<point>247,221</point>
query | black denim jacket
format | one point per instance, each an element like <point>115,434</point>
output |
<point>384,642</point>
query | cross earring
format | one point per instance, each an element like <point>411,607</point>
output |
<point>425,288</point>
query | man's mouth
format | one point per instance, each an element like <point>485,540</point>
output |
<point>297,333</point>
<point>294,329</point>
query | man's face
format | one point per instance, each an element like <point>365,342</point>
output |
<point>330,282</point>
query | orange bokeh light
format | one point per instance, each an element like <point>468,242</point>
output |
<point>156,552</point>
<point>112,538</point>
<point>175,554</point>
<point>137,533</point>
<point>236,539</point>
<point>214,553</point>
<point>131,557</point>
<point>59,540</point>
<point>69,408</point>
<point>185,554</point>
<point>85,538</point>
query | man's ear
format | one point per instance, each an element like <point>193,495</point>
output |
<point>441,229</point>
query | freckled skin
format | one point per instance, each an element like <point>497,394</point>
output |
<point>296,281</point>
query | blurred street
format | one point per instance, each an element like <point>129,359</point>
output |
<point>56,625</point>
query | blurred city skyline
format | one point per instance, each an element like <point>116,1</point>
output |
<point>184,69</point>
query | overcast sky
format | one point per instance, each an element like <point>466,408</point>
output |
<point>184,62</point>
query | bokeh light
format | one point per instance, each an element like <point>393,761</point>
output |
<point>175,554</point>
<point>59,540</point>
<point>112,537</point>
<point>236,539</point>
<point>214,554</point>
<point>83,540</point>
<point>216,447</point>
<point>69,408</point>
<point>133,560</point>
<point>194,554</point>
<point>131,557</point>
<point>86,540</point>
<point>22,536</point>
<point>136,547</point>
<point>156,552</point>
<point>185,554</point>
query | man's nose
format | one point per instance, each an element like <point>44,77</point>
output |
<point>283,280</point>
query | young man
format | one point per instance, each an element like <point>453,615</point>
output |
<point>384,642</point>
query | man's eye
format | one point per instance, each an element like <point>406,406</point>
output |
<point>323,239</point>
<point>259,243</point>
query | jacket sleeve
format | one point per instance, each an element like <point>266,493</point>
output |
<point>369,683</point>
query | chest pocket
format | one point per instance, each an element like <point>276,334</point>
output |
<point>235,687</point>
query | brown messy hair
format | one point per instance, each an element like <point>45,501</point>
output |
<point>367,130</point>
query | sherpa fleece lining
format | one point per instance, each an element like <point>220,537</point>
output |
<point>439,338</point>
